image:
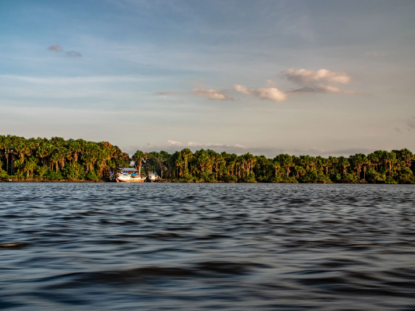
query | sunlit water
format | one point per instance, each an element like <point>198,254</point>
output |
<point>206,246</point>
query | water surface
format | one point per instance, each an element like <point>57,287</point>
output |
<point>68,246</point>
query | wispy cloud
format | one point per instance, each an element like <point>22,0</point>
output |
<point>219,95</point>
<point>267,93</point>
<point>320,81</point>
<point>58,49</point>
<point>55,48</point>
<point>73,54</point>
<point>317,81</point>
<point>212,94</point>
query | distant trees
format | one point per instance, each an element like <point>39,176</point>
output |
<point>210,166</point>
<point>58,158</point>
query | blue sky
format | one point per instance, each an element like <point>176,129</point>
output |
<point>302,77</point>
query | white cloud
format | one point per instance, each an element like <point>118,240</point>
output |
<point>317,81</point>
<point>303,76</point>
<point>268,93</point>
<point>212,94</point>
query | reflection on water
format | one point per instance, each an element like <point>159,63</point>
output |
<point>207,246</point>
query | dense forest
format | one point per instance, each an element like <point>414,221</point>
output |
<point>58,158</point>
<point>209,166</point>
<point>83,160</point>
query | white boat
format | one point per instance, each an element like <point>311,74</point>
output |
<point>152,176</point>
<point>128,175</point>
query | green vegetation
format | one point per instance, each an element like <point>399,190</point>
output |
<point>57,159</point>
<point>40,158</point>
<point>209,166</point>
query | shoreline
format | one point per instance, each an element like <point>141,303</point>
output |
<point>182,182</point>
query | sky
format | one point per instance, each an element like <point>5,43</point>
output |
<point>261,76</point>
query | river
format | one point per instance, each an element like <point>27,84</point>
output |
<point>70,246</point>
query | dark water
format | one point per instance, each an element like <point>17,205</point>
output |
<point>207,246</point>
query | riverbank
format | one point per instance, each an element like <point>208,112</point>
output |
<point>34,180</point>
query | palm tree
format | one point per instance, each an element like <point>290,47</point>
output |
<point>407,156</point>
<point>286,161</point>
<point>358,161</point>
<point>344,164</point>
<point>44,150</point>
<point>63,152</point>
<point>75,148</point>
<point>2,149</point>
<point>305,161</point>
<point>163,157</point>
<point>230,163</point>
<point>186,154</point>
<point>180,164</point>
<point>299,170</point>
<point>365,164</point>
<point>219,163</point>
<point>21,149</point>
<point>313,162</point>
<point>375,159</point>
<point>153,161</point>
<point>333,162</point>
<point>138,158</point>
<point>55,158</point>
<point>262,164</point>
<point>30,166</point>
<point>276,165</point>
<point>204,162</point>
<point>389,158</point>
<point>250,160</point>
<point>324,164</point>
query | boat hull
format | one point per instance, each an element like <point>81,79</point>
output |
<point>130,180</point>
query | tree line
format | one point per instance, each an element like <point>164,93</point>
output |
<point>210,166</point>
<point>57,158</point>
